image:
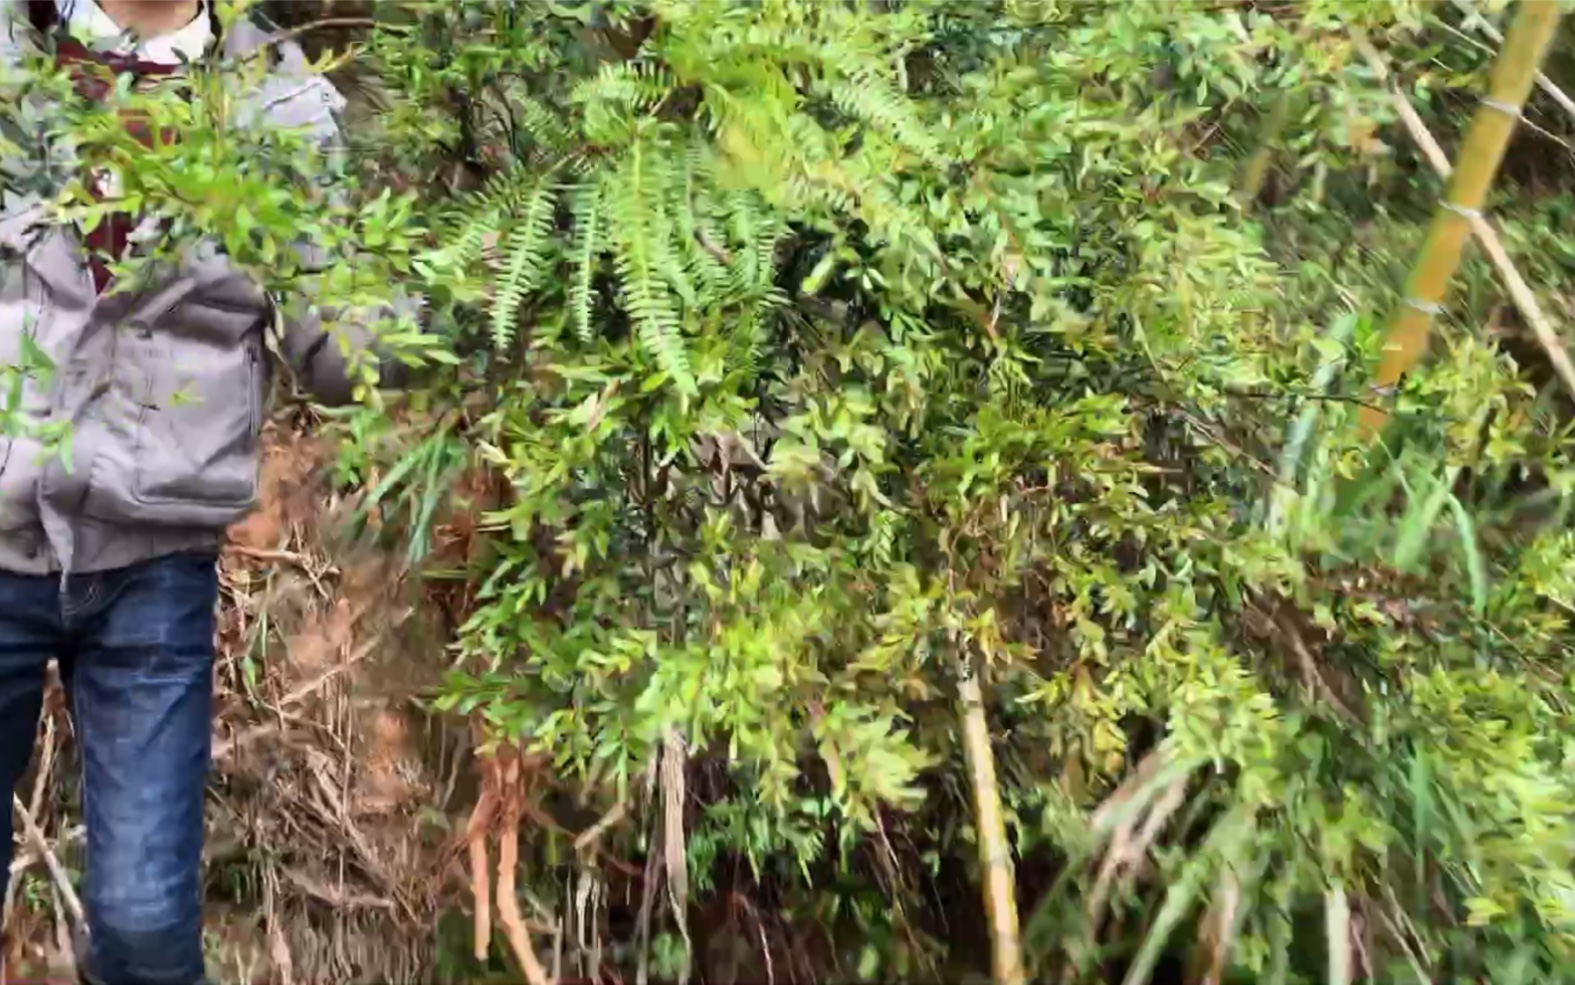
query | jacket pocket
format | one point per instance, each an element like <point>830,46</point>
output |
<point>196,442</point>
<point>176,439</point>
<point>181,422</point>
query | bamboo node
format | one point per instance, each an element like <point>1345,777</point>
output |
<point>1462,210</point>
<point>1508,109</point>
<point>1426,307</point>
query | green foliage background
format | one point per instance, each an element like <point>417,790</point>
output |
<point>823,348</point>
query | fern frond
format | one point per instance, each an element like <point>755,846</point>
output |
<point>587,209</point>
<point>873,101</point>
<point>644,253</point>
<point>472,241</point>
<point>470,228</point>
<point>465,233</point>
<point>758,230</point>
<point>750,331</point>
<point>544,125</point>
<point>527,259</point>
<point>672,210</point>
<point>699,236</point>
<point>635,86</point>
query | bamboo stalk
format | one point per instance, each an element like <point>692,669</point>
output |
<point>1547,85</point>
<point>995,855</point>
<point>1514,72</point>
<point>1519,291</point>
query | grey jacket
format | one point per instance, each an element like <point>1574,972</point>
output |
<point>164,387</point>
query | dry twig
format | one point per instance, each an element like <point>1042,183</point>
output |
<point>1127,849</point>
<point>589,836</point>
<point>1146,770</point>
<point>1398,934</point>
<point>1310,673</point>
<point>46,764</point>
<point>57,872</point>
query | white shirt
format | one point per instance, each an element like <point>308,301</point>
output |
<point>88,22</point>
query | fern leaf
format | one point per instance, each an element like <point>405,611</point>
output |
<point>543,125</point>
<point>867,97</point>
<point>527,259</point>
<point>644,253</point>
<point>753,225</point>
<point>587,248</point>
<point>618,94</point>
<point>466,238</point>
<point>698,235</point>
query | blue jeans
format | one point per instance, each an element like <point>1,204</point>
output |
<point>135,648</point>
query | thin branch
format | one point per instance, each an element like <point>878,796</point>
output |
<point>312,686</point>
<point>653,863</point>
<point>589,836</point>
<point>274,557</point>
<point>1128,849</point>
<point>41,780</point>
<point>57,872</point>
<point>1310,673</point>
<point>1227,901</point>
<point>1225,444</point>
<point>1519,291</point>
<point>289,34</point>
<point>1330,398</point>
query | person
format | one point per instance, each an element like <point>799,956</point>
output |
<point>108,556</point>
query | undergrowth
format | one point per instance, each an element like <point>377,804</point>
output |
<point>833,358</point>
<point>863,345</point>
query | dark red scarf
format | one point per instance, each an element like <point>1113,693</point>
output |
<point>93,73</point>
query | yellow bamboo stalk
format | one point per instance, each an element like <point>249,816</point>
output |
<point>1475,19</point>
<point>995,854</point>
<point>1519,291</point>
<point>1514,73</point>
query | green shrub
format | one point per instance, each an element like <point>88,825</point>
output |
<point>828,349</point>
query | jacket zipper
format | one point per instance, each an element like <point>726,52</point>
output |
<point>253,397</point>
